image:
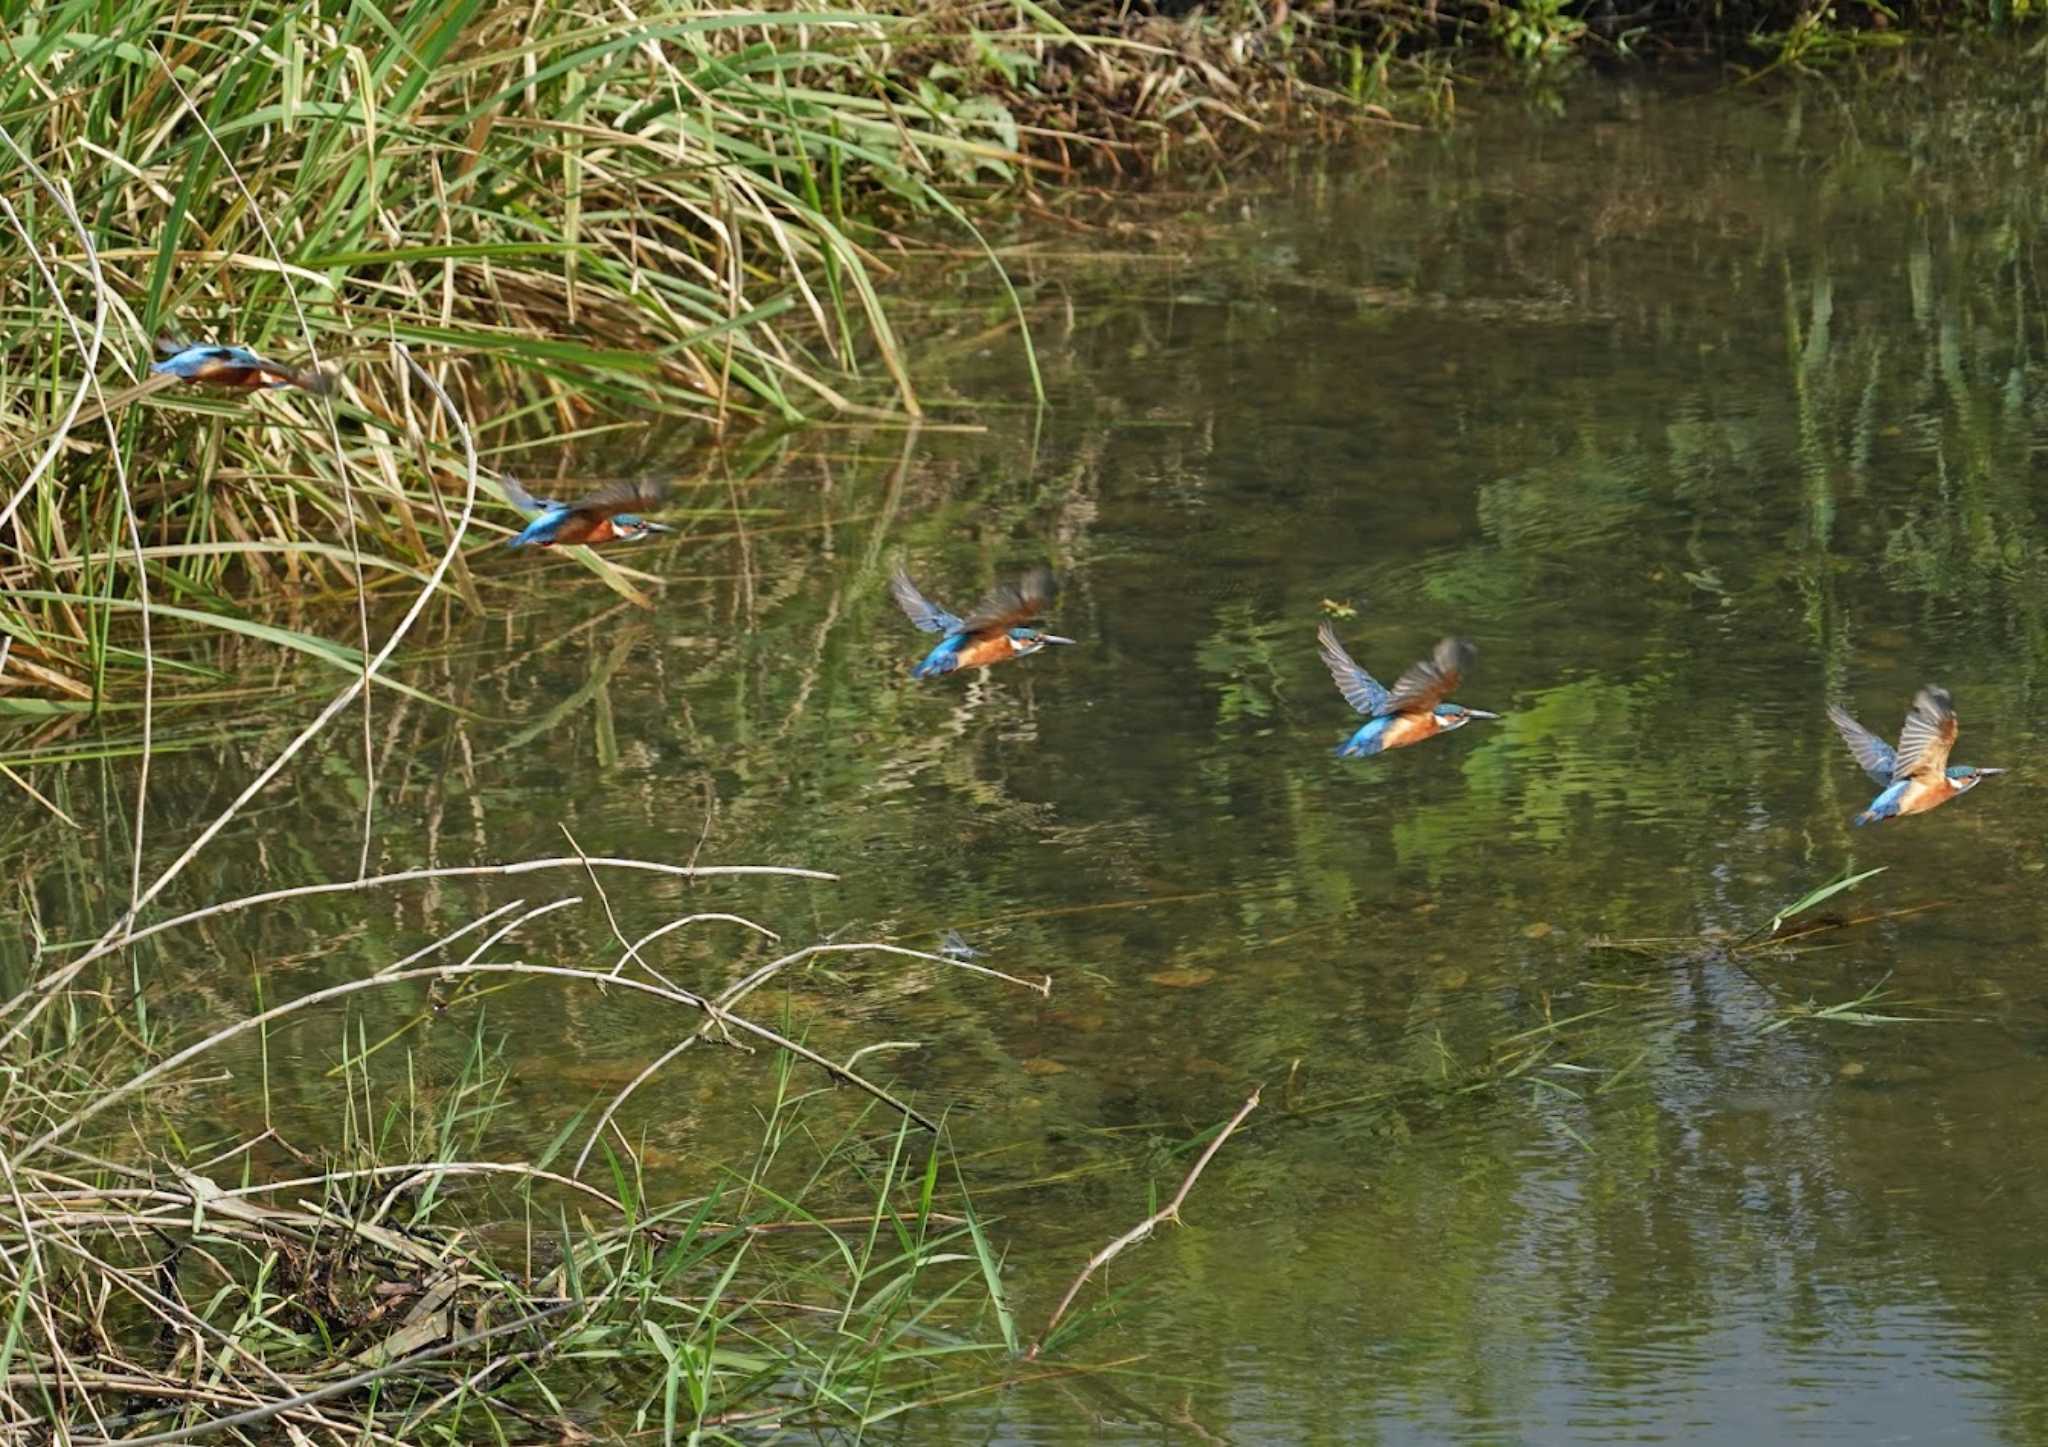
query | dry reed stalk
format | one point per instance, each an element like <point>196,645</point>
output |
<point>1169,1212</point>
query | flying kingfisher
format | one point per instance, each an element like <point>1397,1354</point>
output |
<point>1414,710</point>
<point>609,515</point>
<point>994,631</point>
<point>1917,777</point>
<point>236,367</point>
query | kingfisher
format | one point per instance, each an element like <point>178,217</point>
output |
<point>1917,776</point>
<point>994,631</point>
<point>1414,709</point>
<point>609,515</point>
<point>236,367</point>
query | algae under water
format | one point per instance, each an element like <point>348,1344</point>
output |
<point>1696,410</point>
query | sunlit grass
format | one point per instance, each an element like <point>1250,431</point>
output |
<point>661,212</point>
<point>374,1260</point>
<point>414,1284</point>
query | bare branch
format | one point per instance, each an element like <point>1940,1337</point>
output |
<point>1169,1212</point>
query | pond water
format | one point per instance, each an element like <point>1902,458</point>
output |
<point>1695,409</point>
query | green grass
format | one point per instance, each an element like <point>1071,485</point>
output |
<point>183,1263</point>
<point>582,216</point>
<point>417,1286</point>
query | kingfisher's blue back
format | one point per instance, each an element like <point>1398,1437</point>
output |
<point>944,657</point>
<point>543,528</point>
<point>1886,804</point>
<point>1370,739</point>
<point>192,363</point>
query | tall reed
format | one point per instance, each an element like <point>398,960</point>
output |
<point>598,214</point>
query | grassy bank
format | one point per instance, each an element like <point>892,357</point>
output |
<point>197,1250</point>
<point>586,218</point>
<point>595,219</point>
<point>396,1278</point>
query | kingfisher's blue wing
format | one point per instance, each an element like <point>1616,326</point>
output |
<point>633,495</point>
<point>1928,736</point>
<point>1430,682</point>
<point>1360,689</point>
<point>1872,752</point>
<point>519,497</point>
<point>927,615</point>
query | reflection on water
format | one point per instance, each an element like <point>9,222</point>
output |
<point>1694,411</point>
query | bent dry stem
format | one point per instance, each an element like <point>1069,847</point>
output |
<point>1169,1212</point>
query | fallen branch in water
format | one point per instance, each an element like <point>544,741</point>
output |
<point>1169,1212</point>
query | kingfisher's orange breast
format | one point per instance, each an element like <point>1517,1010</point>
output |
<point>981,652</point>
<point>1921,796</point>
<point>576,529</point>
<point>1408,728</point>
<point>231,374</point>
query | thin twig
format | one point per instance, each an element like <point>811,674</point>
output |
<point>115,1094</point>
<point>745,986</point>
<point>453,935</point>
<point>632,949</point>
<point>1169,1212</point>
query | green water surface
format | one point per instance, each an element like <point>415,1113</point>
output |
<point>1695,409</point>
